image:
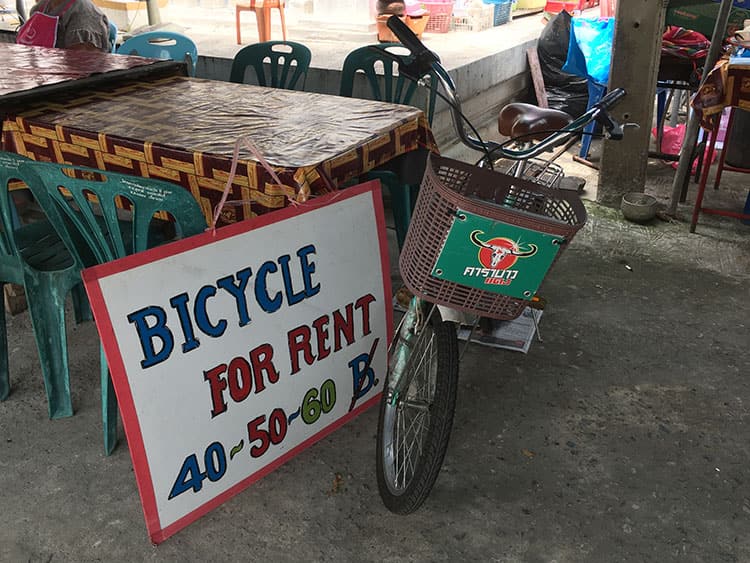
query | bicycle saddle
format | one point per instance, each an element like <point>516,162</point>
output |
<point>530,122</point>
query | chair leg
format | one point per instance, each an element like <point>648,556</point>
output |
<point>237,11</point>
<point>401,203</point>
<point>47,309</point>
<point>81,306</point>
<point>4,370</point>
<point>722,157</point>
<point>283,21</point>
<point>263,17</point>
<point>109,407</point>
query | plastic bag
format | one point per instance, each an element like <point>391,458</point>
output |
<point>590,48</point>
<point>565,92</point>
<point>671,143</point>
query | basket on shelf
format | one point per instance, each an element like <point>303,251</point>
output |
<point>440,15</point>
<point>535,224</point>
<point>502,11</point>
<point>474,21</point>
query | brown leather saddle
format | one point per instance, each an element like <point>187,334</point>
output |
<point>530,122</point>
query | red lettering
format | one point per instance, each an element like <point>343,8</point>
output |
<point>343,326</point>
<point>217,384</point>
<point>299,341</point>
<point>238,376</point>
<point>320,325</point>
<point>262,360</point>
<point>364,304</point>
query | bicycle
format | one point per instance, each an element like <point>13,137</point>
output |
<point>418,402</point>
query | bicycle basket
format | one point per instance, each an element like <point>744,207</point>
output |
<point>469,229</point>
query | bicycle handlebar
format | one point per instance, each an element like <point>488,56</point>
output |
<point>424,62</point>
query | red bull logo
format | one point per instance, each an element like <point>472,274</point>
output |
<point>500,253</point>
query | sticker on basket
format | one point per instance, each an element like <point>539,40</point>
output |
<point>494,256</point>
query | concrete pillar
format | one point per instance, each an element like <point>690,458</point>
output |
<point>635,65</point>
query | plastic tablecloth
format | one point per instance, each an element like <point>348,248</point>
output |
<point>184,130</point>
<point>24,68</point>
<point>728,84</point>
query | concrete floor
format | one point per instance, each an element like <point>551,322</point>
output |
<point>621,437</point>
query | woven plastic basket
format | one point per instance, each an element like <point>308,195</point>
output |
<point>449,185</point>
<point>501,14</point>
<point>440,15</point>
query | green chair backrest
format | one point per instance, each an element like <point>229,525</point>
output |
<point>380,71</point>
<point>93,203</point>
<point>9,170</point>
<point>167,45</point>
<point>28,247</point>
<point>277,64</point>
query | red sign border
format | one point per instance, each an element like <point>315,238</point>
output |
<point>91,277</point>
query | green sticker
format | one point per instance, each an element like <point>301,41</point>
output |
<point>495,256</point>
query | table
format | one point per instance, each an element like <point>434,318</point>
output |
<point>183,130</point>
<point>727,85</point>
<point>35,73</point>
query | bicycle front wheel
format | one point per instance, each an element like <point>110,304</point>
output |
<point>416,414</point>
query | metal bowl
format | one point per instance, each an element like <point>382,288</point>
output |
<point>638,207</point>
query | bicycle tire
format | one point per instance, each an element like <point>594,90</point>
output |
<point>404,488</point>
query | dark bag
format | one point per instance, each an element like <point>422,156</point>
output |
<point>566,92</point>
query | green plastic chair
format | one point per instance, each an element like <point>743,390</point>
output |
<point>167,45</point>
<point>385,85</point>
<point>35,257</point>
<point>277,64</point>
<point>90,207</point>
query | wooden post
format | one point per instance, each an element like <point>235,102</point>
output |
<point>536,77</point>
<point>635,65</point>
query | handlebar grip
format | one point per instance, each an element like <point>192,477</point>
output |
<point>406,36</point>
<point>612,98</point>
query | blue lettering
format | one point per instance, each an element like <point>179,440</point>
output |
<point>238,292</point>
<point>359,364</point>
<point>201,316</point>
<point>307,270</point>
<point>147,334</point>
<point>291,297</point>
<point>179,303</point>
<point>261,289</point>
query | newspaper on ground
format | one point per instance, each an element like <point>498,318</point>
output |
<point>515,335</point>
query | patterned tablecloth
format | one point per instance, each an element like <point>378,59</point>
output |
<point>184,130</point>
<point>727,85</point>
<point>34,70</point>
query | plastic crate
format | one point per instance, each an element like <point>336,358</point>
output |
<point>440,16</point>
<point>501,14</point>
<point>473,22</point>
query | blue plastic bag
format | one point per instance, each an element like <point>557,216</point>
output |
<point>590,48</point>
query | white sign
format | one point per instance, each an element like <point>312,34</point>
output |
<point>232,352</point>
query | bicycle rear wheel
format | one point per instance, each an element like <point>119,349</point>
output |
<point>416,412</point>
